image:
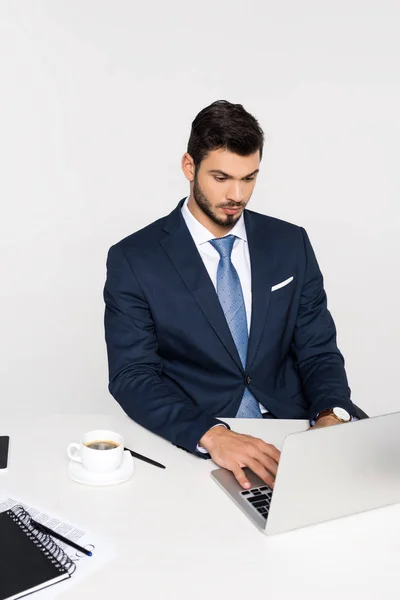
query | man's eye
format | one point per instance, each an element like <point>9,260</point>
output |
<point>224,178</point>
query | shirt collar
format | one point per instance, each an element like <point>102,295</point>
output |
<point>201,235</point>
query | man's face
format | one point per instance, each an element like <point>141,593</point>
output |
<point>223,186</point>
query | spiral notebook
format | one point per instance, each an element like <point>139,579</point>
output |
<point>29,559</point>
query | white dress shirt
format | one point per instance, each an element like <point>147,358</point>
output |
<point>240,256</point>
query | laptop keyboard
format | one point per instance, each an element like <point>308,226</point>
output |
<point>259,498</point>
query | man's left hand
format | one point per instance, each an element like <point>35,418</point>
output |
<point>326,422</point>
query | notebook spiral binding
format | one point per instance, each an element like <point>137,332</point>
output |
<point>52,550</point>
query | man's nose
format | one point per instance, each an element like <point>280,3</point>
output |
<point>236,191</point>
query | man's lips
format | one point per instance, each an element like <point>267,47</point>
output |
<point>232,210</point>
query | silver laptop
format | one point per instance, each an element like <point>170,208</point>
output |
<point>324,474</point>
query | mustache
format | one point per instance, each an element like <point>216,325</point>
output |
<point>232,205</point>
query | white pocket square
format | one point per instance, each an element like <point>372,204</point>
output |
<point>282,284</point>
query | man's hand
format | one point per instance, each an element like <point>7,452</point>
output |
<point>326,422</point>
<point>233,451</point>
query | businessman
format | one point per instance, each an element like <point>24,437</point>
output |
<point>216,311</point>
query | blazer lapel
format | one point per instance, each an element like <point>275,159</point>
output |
<point>262,269</point>
<point>182,251</point>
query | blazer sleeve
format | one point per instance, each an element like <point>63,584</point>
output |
<point>135,367</point>
<point>319,361</point>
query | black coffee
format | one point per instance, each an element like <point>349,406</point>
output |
<point>102,445</point>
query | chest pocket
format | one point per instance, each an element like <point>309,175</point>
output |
<point>282,284</point>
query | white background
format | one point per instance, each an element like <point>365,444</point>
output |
<point>96,102</point>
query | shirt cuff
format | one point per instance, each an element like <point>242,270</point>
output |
<point>203,450</point>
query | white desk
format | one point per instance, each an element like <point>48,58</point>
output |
<point>179,536</point>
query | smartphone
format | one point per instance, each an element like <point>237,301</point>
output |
<point>4,444</point>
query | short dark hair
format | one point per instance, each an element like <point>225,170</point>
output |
<point>224,125</point>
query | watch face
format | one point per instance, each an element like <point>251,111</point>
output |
<point>341,413</point>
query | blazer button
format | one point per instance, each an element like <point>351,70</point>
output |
<point>248,380</point>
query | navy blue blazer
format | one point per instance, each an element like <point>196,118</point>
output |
<point>173,364</point>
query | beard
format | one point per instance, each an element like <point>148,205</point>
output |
<point>205,205</point>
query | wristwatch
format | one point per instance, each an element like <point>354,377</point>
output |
<point>339,413</point>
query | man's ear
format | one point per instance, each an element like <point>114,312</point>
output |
<point>188,167</point>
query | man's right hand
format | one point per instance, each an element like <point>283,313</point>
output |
<point>234,451</point>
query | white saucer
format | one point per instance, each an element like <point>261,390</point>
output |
<point>78,473</point>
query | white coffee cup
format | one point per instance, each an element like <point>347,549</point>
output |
<point>99,451</point>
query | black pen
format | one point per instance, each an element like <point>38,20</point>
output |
<point>60,537</point>
<point>145,459</point>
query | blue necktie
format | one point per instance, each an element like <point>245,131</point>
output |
<point>230,296</point>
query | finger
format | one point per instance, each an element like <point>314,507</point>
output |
<point>269,450</point>
<point>259,470</point>
<point>267,462</point>
<point>241,477</point>
<point>274,453</point>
